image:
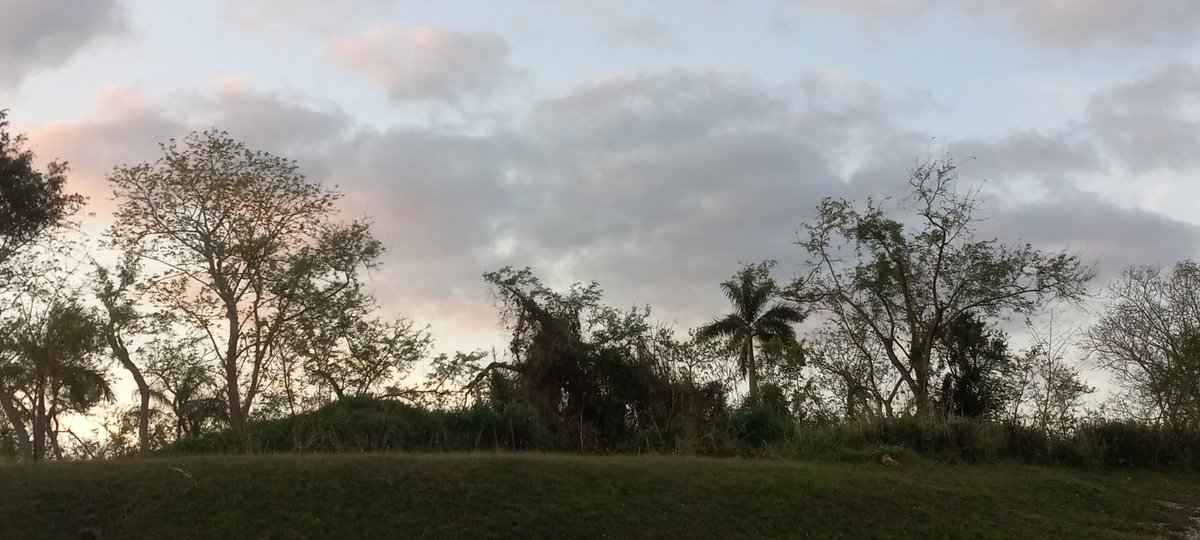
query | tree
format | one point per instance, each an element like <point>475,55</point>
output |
<point>32,205</point>
<point>977,365</point>
<point>32,202</point>
<point>243,245</point>
<point>855,370</point>
<point>344,349</point>
<point>56,369</point>
<point>906,286</point>
<point>757,317</point>
<point>593,373</point>
<point>121,317</point>
<point>1148,338</point>
<point>181,383</point>
<point>1047,389</point>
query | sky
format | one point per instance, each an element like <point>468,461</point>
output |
<point>650,146</point>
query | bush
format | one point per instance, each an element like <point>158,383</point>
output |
<point>365,424</point>
<point>759,424</point>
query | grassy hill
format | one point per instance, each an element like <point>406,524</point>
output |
<point>556,496</point>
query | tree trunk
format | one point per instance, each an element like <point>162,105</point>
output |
<point>751,371</point>
<point>52,440</point>
<point>921,369</point>
<point>24,446</point>
<point>122,353</point>
<point>236,419</point>
<point>39,422</point>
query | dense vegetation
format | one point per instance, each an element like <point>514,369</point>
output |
<point>237,308</point>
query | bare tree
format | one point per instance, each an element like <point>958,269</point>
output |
<point>1148,338</point>
<point>1046,388</point>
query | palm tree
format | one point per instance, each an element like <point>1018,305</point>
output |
<point>58,370</point>
<point>758,314</point>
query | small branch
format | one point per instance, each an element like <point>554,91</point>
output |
<point>494,365</point>
<point>188,476</point>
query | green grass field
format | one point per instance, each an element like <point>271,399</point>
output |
<point>556,496</point>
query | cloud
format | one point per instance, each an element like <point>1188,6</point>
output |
<point>1067,24</point>
<point>425,63</point>
<point>1151,123</point>
<point>130,126</point>
<point>128,131</point>
<point>288,15</point>
<point>39,34</point>
<point>656,185</point>
<point>1104,232</point>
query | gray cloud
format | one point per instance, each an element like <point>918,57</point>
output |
<point>131,126</point>
<point>38,34</point>
<point>1114,237</point>
<point>1049,157</point>
<point>425,63</point>
<point>655,185</point>
<point>1152,123</point>
<point>1067,24</point>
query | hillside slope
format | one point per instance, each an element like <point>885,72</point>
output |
<point>554,496</point>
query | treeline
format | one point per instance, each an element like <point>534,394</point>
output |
<point>236,308</point>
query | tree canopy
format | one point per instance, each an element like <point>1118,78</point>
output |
<point>905,275</point>
<point>758,318</point>
<point>240,245</point>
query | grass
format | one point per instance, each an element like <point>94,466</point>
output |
<point>559,496</point>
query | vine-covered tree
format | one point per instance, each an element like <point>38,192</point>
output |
<point>759,316</point>
<point>907,274</point>
<point>977,367</point>
<point>593,373</point>
<point>238,245</point>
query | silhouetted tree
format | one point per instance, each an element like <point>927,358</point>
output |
<point>57,369</point>
<point>593,373</point>
<point>32,202</point>
<point>758,317</point>
<point>977,364</point>
<point>242,246</point>
<point>1148,338</point>
<point>907,286</point>
<point>121,317</point>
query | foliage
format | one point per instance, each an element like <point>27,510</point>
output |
<point>52,367</point>
<point>977,369</point>
<point>1148,339</point>
<point>122,317</point>
<point>1048,391</point>
<point>343,350</point>
<point>593,373</point>
<point>905,285</point>
<point>242,246</point>
<point>32,203</point>
<point>757,318</point>
<point>364,424</point>
<point>855,371</point>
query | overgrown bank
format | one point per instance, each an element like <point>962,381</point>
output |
<point>369,425</point>
<point>554,496</point>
